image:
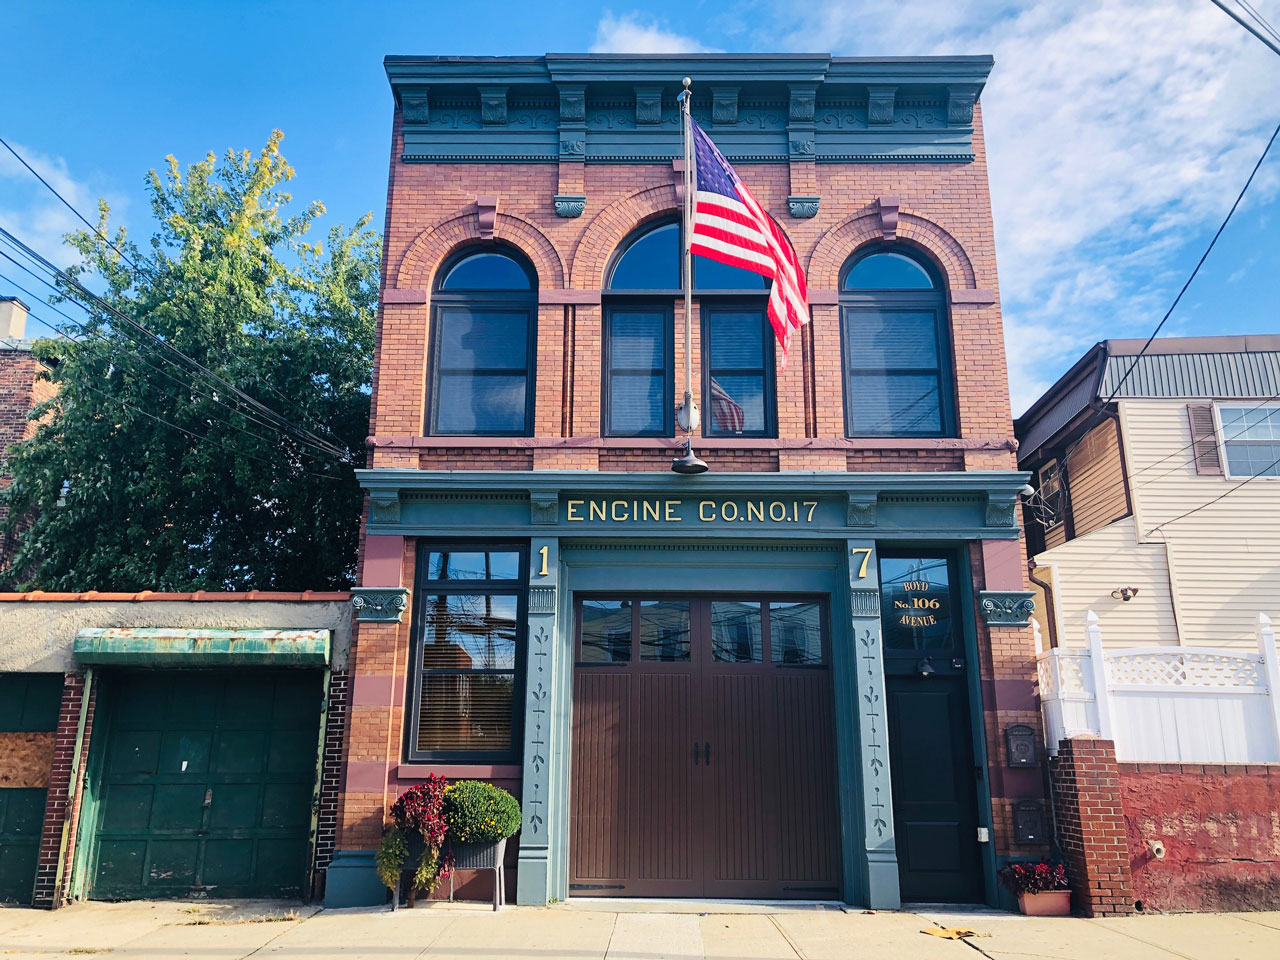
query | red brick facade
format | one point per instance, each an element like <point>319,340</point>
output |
<point>432,212</point>
<point>1090,824</point>
<point>1218,826</point>
<point>21,388</point>
<point>62,811</point>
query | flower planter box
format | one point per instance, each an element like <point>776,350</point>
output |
<point>482,856</point>
<point>1051,903</point>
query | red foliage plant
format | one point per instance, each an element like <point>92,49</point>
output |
<point>420,809</point>
<point>1033,877</point>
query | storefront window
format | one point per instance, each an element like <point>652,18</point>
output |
<point>915,599</point>
<point>468,650</point>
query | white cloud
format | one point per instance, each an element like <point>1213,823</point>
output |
<point>1117,130</point>
<point>36,217</point>
<point>630,33</point>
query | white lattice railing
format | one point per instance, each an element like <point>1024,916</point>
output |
<point>1166,704</point>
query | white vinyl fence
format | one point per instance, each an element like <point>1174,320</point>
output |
<point>1166,704</point>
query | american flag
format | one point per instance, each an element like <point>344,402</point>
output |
<point>729,226</point>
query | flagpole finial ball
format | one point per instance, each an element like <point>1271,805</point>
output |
<point>687,82</point>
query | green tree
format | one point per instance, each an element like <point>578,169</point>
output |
<point>147,474</point>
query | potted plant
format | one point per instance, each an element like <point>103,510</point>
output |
<point>418,829</point>
<point>480,817</point>
<point>1041,887</point>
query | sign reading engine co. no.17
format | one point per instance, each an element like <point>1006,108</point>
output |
<point>681,511</point>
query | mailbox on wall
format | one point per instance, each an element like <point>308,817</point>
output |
<point>1020,745</point>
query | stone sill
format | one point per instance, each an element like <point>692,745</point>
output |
<point>702,443</point>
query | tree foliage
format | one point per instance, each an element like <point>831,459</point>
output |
<point>145,474</point>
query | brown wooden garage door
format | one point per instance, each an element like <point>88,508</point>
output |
<point>703,750</point>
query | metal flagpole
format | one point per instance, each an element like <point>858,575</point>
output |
<point>687,415</point>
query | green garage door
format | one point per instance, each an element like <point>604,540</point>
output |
<point>206,784</point>
<point>29,705</point>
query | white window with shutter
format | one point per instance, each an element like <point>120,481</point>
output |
<point>1250,439</point>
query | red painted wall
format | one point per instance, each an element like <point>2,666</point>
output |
<point>1220,826</point>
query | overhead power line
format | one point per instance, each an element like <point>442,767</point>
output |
<point>129,260</point>
<point>203,439</point>
<point>85,293</point>
<point>1254,22</point>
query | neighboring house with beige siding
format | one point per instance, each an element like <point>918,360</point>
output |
<point>1158,472</point>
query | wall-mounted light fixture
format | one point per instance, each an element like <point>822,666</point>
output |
<point>1124,593</point>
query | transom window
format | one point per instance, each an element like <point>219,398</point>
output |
<point>468,649</point>
<point>897,355</point>
<point>1251,439</point>
<point>483,328</point>
<point>643,286</point>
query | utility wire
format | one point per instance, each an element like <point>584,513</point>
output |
<point>203,439</point>
<point>1257,29</point>
<point>186,384</point>
<point>1066,457</point>
<point>1222,496</point>
<point>121,352</point>
<point>124,256</point>
<point>89,331</point>
<point>257,405</point>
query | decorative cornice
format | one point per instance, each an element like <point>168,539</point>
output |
<point>803,208</point>
<point>379,604</point>
<point>569,206</point>
<point>621,109</point>
<point>1007,608</point>
<point>862,508</point>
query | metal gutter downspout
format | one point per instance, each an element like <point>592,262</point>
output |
<point>1050,617</point>
<point>73,784</point>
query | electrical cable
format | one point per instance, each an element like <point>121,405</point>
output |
<point>188,385</point>
<point>281,421</point>
<point>117,249</point>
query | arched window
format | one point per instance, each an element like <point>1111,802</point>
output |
<point>482,345</point>
<point>897,350</point>
<point>643,286</point>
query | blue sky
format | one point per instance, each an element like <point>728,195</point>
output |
<point>1119,131</point>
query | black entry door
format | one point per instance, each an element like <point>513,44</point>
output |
<point>931,755</point>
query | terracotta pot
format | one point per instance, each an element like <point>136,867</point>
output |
<point>1051,903</point>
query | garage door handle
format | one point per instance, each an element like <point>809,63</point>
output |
<point>695,754</point>
<point>208,799</point>
<point>707,747</point>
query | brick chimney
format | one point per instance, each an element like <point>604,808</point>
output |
<point>13,319</point>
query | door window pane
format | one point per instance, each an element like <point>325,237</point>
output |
<point>466,712</point>
<point>664,630</point>
<point>735,631</point>
<point>473,565</point>
<point>469,632</point>
<point>915,603</point>
<point>606,631</point>
<point>795,632</point>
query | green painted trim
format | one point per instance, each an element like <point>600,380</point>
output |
<point>159,646</point>
<point>791,505</point>
<point>535,879</point>
<point>379,604</point>
<point>1007,608</point>
<point>977,720</point>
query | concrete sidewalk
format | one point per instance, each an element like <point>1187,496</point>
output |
<point>605,930</point>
